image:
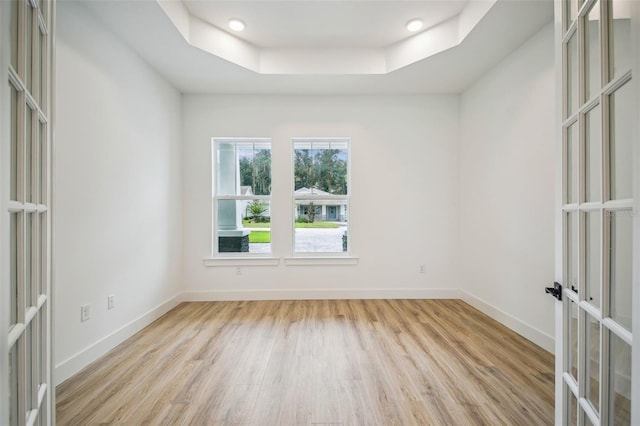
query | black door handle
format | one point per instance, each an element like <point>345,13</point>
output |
<point>555,291</point>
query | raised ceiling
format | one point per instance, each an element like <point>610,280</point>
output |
<point>323,46</point>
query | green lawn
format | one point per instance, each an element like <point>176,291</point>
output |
<point>260,237</point>
<point>248,224</point>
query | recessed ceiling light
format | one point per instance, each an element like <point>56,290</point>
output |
<point>236,24</point>
<point>414,25</point>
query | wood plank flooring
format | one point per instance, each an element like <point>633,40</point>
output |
<point>326,362</point>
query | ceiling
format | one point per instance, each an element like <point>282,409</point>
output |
<point>323,46</point>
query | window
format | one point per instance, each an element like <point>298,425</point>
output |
<point>321,195</point>
<point>242,195</point>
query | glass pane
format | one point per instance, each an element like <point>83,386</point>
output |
<point>571,165</point>
<point>37,162</point>
<point>572,407</point>
<point>320,168</point>
<point>620,37</point>
<point>42,343</point>
<point>43,253</point>
<point>28,259</point>
<point>13,385</point>
<point>620,381</point>
<point>592,345</point>
<point>593,155</point>
<point>592,253</point>
<point>320,226</point>
<point>29,46</point>
<point>28,153</point>
<point>592,51</point>
<point>43,71</point>
<point>572,10</point>
<point>573,251</point>
<point>42,169</point>
<point>573,339</point>
<point>244,226</point>
<point>255,168</point>
<point>620,155</point>
<point>28,366</point>
<point>620,264</point>
<point>572,75</point>
<point>243,168</point>
<point>13,30</point>
<point>587,421</point>
<point>14,143</point>
<point>13,248</point>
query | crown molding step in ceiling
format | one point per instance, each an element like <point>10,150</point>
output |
<point>319,37</point>
<point>321,46</point>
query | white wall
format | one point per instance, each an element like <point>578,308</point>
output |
<point>404,193</point>
<point>118,180</point>
<point>507,175</point>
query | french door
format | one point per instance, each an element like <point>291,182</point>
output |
<point>595,320</point>
<point>26,45</point>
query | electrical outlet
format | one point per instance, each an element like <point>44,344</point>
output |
<point>238,270</point>
<point>111,301</point>
<point>422,268</point>
<point>85,313</point>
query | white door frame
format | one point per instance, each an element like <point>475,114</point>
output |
<point>635,32</point>
<point>559,238</point>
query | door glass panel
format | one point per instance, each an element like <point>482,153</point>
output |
<point>27,162</point>
<point>14,143</point>
<point>592,346</point>
<point>43,163</point>
<point>13,249</point>
<point>573,251</point>
<point>572,407</point>
<point>620,381</point>
<point>13,385</point>
<point>620,165</point>
<point>13,30</point>
<point>43,252</point>
<point>593,155</point>
<point>592,50</point>
<point>43,70</point>
<point>592,253</point>
<point>29,46</point>
<point>571,165</point>
<point>28,366</point>
<point>620,37</point>
<point>573,340</point>
<point>28,258</point>
<point>620,264</point>
<point>572,75</point>
<point>573,11</point>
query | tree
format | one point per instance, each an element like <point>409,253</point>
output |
<point>255,172</point>
<point>257,209</point>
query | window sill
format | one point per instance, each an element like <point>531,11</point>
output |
<point>321,260</point>
<point>242,261</point>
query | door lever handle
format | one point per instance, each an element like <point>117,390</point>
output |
<point>555,291</point>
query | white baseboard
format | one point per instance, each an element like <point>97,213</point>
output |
<point>77,362</point>
<point>536,336</point>
<point>322,294</point>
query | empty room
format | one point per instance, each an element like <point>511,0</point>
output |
<point>320,212</point>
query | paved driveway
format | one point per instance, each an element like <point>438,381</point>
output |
<point>310,240</point>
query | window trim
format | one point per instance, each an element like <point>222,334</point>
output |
<point>320,258</point>
<point>217,258</point>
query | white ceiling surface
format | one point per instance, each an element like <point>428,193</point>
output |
<point>324,24</point>
<point>144,26</point>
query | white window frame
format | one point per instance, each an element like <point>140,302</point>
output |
<point>235,258</point>
<point>321,258</point>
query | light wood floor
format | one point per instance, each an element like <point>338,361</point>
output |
<point>352,362</point>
